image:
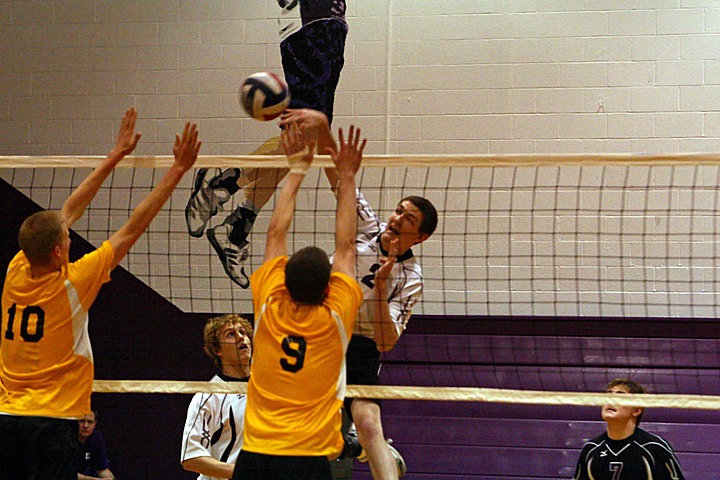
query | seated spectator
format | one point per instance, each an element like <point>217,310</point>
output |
<point>93,461</point>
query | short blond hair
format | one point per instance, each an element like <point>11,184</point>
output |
<point>211,342</point>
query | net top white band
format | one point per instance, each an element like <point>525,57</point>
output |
<point>278,161</point>
<point>458,394</point>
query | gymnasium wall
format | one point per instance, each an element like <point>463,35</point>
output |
<point>455,76</point>
<point>421,77</point>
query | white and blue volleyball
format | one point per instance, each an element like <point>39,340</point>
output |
<point>264,96</point>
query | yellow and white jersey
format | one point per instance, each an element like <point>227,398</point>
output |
<point>46,362</point>
<point>297,380</point>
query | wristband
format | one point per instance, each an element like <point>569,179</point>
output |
<point>299,163</point>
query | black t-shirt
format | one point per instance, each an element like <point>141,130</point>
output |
<point>641,456</point>
<point>93,455</point>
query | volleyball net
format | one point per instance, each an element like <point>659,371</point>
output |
<point>546,273</point>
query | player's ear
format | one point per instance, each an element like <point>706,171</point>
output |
<point>421,238</point>
<point>211,350</point>
<point>637,411</point>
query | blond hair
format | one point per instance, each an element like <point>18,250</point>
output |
<point>211,342</point>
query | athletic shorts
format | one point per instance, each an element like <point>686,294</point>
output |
<point>38,448</point>
<point>258,466</point>
<point>362,364</point>
<point>312,59</point>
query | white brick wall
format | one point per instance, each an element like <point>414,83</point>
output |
<point>421,76</point>
<point>495,64</point>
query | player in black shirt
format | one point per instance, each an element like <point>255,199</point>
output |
<point>624,451</point>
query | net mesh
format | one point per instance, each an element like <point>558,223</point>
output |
<point>545,240</point>
<point>546,278</point>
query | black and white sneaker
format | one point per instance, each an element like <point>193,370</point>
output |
<point>351,447</point>
<point>205,201</point>
<point>229,239</point>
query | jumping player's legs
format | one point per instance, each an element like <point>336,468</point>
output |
<point>363,365</point>
<point>213,188</point>
<point>366,414</point>
<point>313,58</point>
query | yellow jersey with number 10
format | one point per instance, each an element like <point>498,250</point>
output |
<point>46,362</point>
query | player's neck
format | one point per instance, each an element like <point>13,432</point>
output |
<point>242,371</point>
<point>621,431</point>
<point>42,270</point>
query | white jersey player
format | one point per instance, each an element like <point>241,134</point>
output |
<point>391,280</point>
<point>404,279</point>
<point>213,433</point>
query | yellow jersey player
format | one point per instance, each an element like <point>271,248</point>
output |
<point>305,309</point>
<point>46,363</point>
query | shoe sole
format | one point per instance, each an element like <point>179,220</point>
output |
<point>218,249</point>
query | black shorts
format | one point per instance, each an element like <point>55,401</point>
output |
<point>362,364</point>
<point>312,59</point>
<point>258,466</point>
<point>38,448</point>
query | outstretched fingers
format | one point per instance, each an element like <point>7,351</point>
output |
<point>187,147</point>
<point>349,156</point>
<point>298,149</point>
<point>127,139</point>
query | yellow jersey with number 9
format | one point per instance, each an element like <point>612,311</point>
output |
<point>297,380</point>
<point>46,362</point>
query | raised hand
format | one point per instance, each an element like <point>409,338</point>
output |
<point>305,117</point>
<point>349,156</point>
<point>127,139</point>
<point>382,273</point>
<point>186,148</point>
<point>298,148</point>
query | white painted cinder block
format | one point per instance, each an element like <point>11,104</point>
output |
<point>420,78</point>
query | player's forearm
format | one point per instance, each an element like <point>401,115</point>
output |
<point>345,225</point>
<point>285,209</point>
<point>101,474</point>
<point>385,332</point>
<point>106,474</point>
<point>282,216</point>
<point>209,466</point>
<point>80,198</point>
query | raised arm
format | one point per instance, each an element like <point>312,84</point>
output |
<point>385,332</point>
<point>316,124</point>
<point>300,155</point>
<point>347,162</point>
<point>80,198</point>
<point>186,152</point>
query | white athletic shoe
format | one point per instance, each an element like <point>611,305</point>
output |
<point>204,201</point>
<point>232,256</point>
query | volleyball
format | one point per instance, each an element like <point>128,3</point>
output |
<point>264,95</point>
